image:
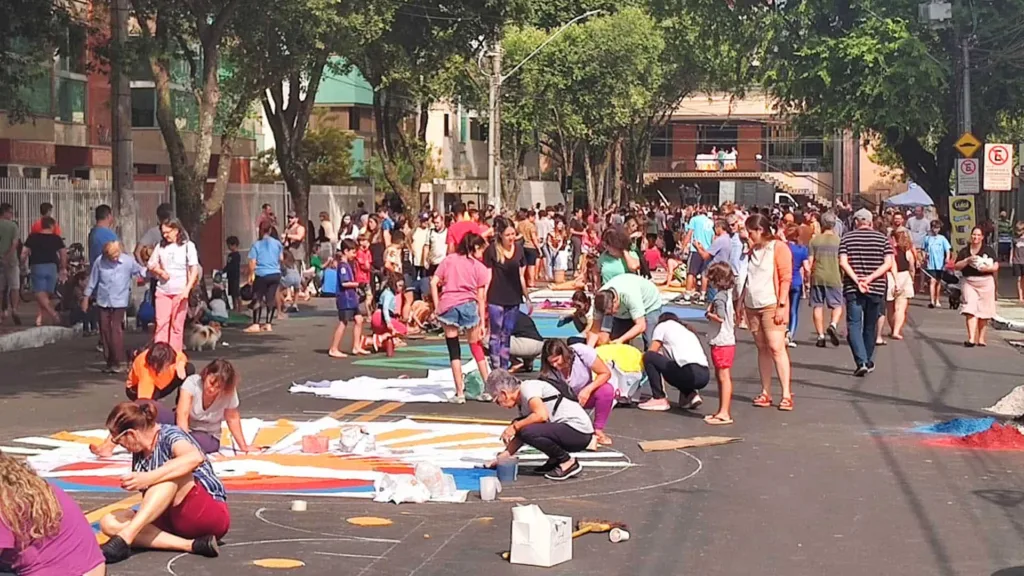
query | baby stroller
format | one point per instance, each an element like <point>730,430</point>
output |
<point>951,286</point>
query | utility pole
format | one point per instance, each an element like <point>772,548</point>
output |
<point>494,131</point>
<point>121,127</point>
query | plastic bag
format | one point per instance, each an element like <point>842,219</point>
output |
<point>399,488</point>
<point>474,385</point>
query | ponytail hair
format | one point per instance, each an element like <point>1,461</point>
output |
<point>131,416</point>
<point>670,317</point>
<point>470,243</point>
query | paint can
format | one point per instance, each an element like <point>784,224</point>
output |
<point>508,469</point>
<point>618,535</point>
<point>489,488</point>
<point>298,505</point>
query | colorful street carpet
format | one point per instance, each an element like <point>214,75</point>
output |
<point>283,469</point>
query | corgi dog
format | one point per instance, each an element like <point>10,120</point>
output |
<point>202,336</point>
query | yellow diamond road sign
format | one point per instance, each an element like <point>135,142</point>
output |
<point>967,145</point>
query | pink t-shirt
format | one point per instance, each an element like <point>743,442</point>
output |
<point>460,278</point>
<point>73,550</point>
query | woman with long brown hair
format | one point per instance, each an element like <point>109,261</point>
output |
<point>506,290</point>
<point>184,506</point>
<point>175,264</point>
<point>42,530</point>
<point>900,283</point>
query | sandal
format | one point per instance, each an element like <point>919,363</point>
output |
<point>763,400</point>
<point>786,405</point>
<point>716,420</point>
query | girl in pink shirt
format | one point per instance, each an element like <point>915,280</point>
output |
<point>459,291</point>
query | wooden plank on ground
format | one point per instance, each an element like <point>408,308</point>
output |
<point>693,442</point>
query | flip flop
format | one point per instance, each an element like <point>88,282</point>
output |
<point>715,420</point>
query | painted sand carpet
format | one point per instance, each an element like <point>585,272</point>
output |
<point>283,469</point>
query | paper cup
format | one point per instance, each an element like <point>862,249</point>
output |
<point>618,535</point>
<point>298,505</point>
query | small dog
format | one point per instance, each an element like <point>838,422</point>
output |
<point>203,336</point>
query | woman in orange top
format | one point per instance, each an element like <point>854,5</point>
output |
<point>156,372</point>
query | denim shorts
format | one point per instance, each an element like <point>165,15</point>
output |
<point>464,315</point>
<point>44,278</point>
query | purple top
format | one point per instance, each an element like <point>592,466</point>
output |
<point>72,551</point>
<point>581,374</point>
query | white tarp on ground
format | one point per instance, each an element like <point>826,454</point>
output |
<point>437,386</point>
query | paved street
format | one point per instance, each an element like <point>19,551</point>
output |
<point>836,487</point>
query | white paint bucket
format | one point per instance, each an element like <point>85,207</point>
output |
<point>298,505</point>
<point>489,488</point>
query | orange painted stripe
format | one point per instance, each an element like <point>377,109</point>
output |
<point>497,446</point>
<point>353,407</point>
<point>399,434</point>
<point>464,437</point>
<point>428,418</point>
<point>95,515</point>
<point>71,437</point>
<point>378,412</point>
<point>272,435</point>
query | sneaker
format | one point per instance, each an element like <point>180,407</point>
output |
<point>691,401</point>
<point>559,474</point>
<point>116,550</point>
<point>485,397</point>
<point>931,305</point>
<point>791,344</point>
<point>655,405</point>
<point>821,342</point>
<point>457,400</point>
<point>206,546</point>
<point>861,371</point>
<point>833,334</point>
<point>870,367</point>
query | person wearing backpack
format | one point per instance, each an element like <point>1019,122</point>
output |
<point>587,376</point>
<point>550,419</point>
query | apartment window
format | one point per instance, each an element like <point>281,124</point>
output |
<point>70,100</point>
<point>145,168</point>
<point>478,130</point>
<point>813,149</point>
<point>81,173</point>
<point>28,172</point>
<point>72,54</point>
<point>143,108</point>
<point>447,126</point>
<point>661,143</point>
<point>353,119</point>
<point>720,136</point>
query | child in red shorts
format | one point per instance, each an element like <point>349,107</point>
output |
<point>722,338</point>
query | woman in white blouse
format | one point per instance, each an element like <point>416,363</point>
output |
<point>175,264</point>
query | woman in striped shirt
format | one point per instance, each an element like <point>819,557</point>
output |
<point>184,506</point>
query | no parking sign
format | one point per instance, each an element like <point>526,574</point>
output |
<point>998,167</point>
<point>968,180</point>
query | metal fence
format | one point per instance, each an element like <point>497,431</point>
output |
<point>74,203</point>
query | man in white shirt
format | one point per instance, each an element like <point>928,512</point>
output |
<point>545,226</point>
<point>420,238</point>
<point>436,247</point>
<point>919,226</point>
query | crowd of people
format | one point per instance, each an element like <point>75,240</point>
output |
<point>466,275</point>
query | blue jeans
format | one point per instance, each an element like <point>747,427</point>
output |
<point>503,321</point>
<point>862,312</point>
<point>795,294</point>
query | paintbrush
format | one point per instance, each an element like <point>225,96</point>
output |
<point>591,526</point>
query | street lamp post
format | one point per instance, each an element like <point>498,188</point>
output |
<point>494,101</point>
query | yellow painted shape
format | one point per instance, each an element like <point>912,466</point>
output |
<point>225,438</point>
<point>379,411</point>
<point>329,461</point>
<point>282,563</point>
<point>66,436</point>
<point>428,418</point>
<point>399,434</point>
<point>268,436</point>
<point>330,433</point>
<point>497,445</point>
<point>369,521</point>
<point>464,437</point>
<point>353,407</point>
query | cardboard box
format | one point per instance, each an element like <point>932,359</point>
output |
<point>539,539</point>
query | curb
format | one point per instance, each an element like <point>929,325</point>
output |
<point>36,337</point>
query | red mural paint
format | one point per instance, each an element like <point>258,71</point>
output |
<point>999,437</point>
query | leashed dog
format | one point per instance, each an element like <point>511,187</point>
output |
<point>202,336</point>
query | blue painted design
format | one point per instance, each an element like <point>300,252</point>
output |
<point>957,427</point>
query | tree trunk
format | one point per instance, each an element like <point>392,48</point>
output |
<point>930,171</point>
<point>617,172</point>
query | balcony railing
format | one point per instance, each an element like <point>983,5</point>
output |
<point>709,163</point>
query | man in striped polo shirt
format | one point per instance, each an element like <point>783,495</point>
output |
<point>864,256</point>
